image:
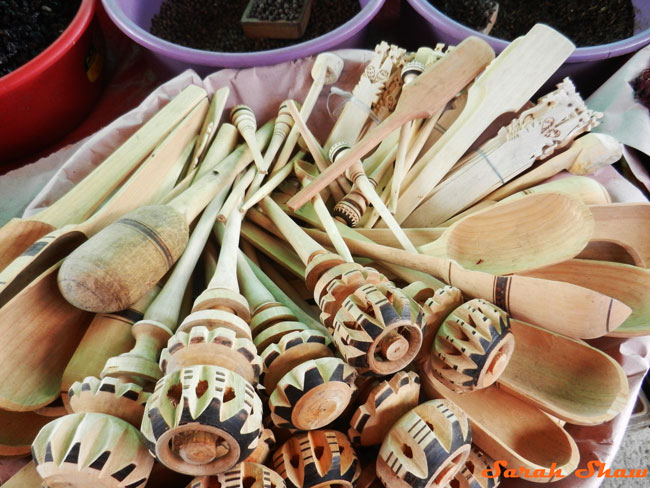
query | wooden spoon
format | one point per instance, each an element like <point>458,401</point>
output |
<point>564,377</point>
<point>561,307</point>
<point>77,205</point>
<point>629,284</point>
<point>520,234</point>
<point>625,224</point>
<point>443,79</point>
<point>509,429</point>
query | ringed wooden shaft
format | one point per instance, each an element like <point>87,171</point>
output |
<point>244,119</point>
<point>326,69</point>
<point>443,79</point>
<point>317,152</point>
<point>409,73</point>
<point>588,153</point>
<point>306,174</point>
<point>505,86</point>
<point>283,124</point>
<point>225,275</point>
<point>234,199</point>
<point>360,179</point>
<point>305,246</point>
<point>271,184</point>
<point>560,307</point>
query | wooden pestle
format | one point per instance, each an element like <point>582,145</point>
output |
<point>144,187</point>
<point>79,203</point>
<point>127,258</point>
<point>443,79</point>
<point>560,307</point>
<point>282,127</point>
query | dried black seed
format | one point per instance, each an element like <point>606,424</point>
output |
<point>27,27</point>
<point>215,25</point>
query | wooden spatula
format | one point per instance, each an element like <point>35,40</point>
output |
<point>429,93</point>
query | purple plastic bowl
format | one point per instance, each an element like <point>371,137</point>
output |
<point>134,19</point>
<point>587,66</point>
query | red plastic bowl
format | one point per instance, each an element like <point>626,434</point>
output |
<point>48,96</point>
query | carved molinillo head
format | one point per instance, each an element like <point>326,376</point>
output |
<point>118,265</point>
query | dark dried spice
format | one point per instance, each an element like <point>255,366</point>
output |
<point>641,86</point>
<point>585,23</point>
<point>27,27</point>
<point>215,25</point>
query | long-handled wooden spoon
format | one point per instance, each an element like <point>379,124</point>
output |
<point>629,284</point>
<point>525,233</point>
<point>561,307</point>
<point>77,205</point>
<point>429,93</point>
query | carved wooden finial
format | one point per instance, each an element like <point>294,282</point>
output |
<point>68,452</point>
<point>217,347</point>
<point>312,394</point>
<point>426,447</point>
<point>472,346</point>
<point>436,304</point>
<point>317,458</point>
<point>378,329</point>
<point>202,420</point>
<point>243,118</point>
<point>109,396</point>
<point>471,475</point>
<point>244,475</point>
<point>385,404</point>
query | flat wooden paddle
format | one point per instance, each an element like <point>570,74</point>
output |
<point>505,86</point>
<point>425,96</point>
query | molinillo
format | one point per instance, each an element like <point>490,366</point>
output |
<point>204,415</point>
<point>123,261</point>
<point>375,327</point>
<point>99,444</point>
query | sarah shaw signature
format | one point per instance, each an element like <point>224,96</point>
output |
<point>594,468</point>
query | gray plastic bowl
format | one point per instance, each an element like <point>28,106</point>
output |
<point>134,19</point>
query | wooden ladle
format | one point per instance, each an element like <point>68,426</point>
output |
<point>525,233</point>
<point>564,377</point>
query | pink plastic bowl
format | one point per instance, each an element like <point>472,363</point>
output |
<point>47,97</point>
<point>134,19</point>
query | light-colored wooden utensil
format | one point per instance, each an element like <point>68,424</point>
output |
<point>437,434</point>
<point>79,203</point>
<point>564,377</point>
<point>561,307</point>
<point>629,284</point>
<point>209,128</point>
<point>444,79</point>
<point>243,118</point>
<point>508,237</point>
<point>146,186</point>
<point>505,86</point>
<point>120,263</point>
<point>246,474</point>
<point>586,155</point>
<point>509,429</point>
<point>624,224</point>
